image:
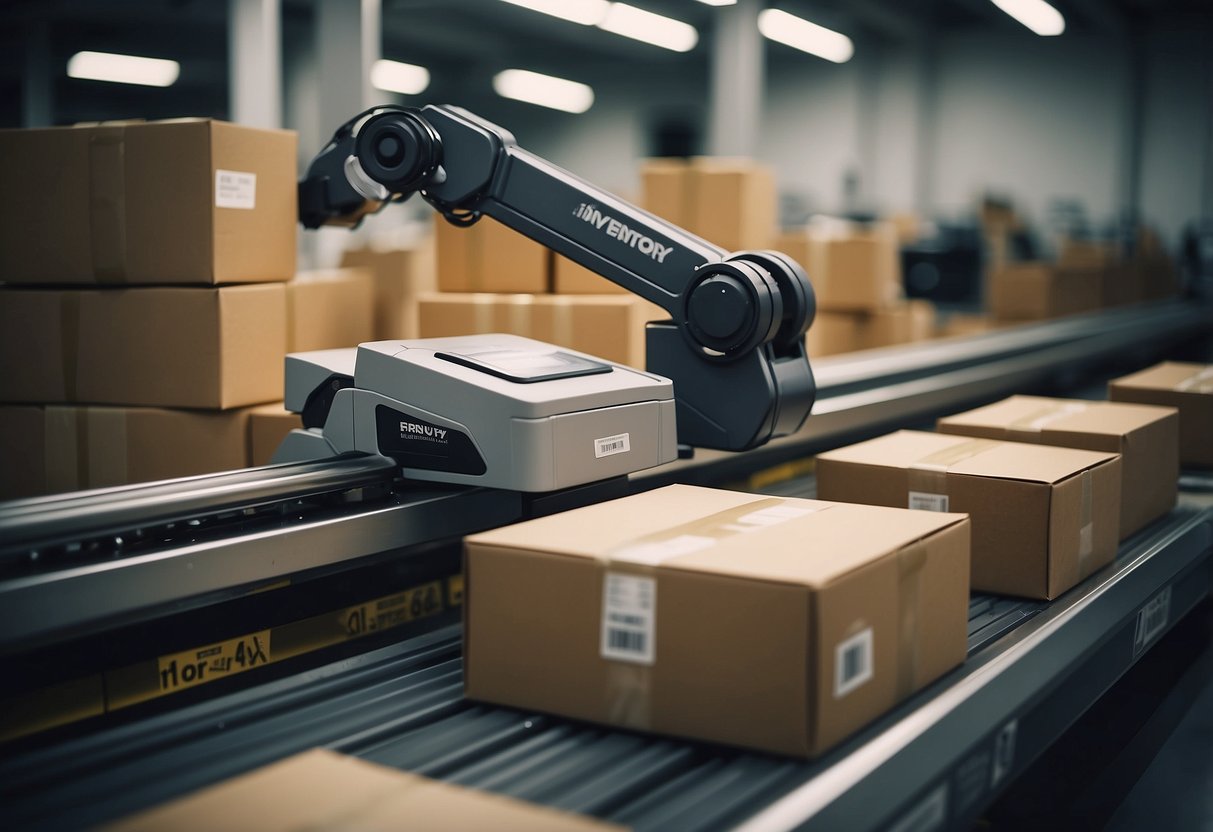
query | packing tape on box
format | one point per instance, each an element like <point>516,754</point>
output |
<point>1199,382</point>
<point>927,478</point>
<point>107,203</point>
<point>910,562</point>
<point>69,341</point>
<point>1038,420</point>
<point>628,684</point>
<point>1086,521</point>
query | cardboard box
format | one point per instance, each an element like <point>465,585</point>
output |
<point>960,324</point>
<point>1036,291</point>
<point>51,449</point>
<point>490,257</point>
<point>329,309</point>
<point>325,791</point>
<point>853,268</point>
<point>833,333</point>
<point>607,326</point>
<point>401,276</point>
<point>1146,437</point>
<point>1189,389</point>
<point>1043,518</point>
<point>182,201</point>
<point>569,278</point>
<point>778,624</point>
<point>268,425</point>
<point>732,203</point>
<point>165,347</point>
<point>903,323</point>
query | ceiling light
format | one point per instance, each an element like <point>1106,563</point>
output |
<point>123,69</point>
<point>544,90</point>
<point>585,12</point>
<point>656,29</point>
<point>394,76</point>
<point>1037,15</point>
<point>797,33</point>
<point>719,2</point>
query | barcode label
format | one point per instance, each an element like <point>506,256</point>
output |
<point>852,662</point>
<point>925,501</point>
<point>235,189</point>
<point>629,613</point>
<point>1151,620</point>
<point>620,443</point>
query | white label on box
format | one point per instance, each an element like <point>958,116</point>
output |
<point>1151,620</point>
<point>620,443</point>
<point>235,189</point>
<point>852,662</point>
<point>629,618</point>
<point>924,501</point>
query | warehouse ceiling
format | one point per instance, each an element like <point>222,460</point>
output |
<point>452,37</point>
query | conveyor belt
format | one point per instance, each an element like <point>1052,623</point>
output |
<point>402,706</point>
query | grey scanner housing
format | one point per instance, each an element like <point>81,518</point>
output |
<point>411,404</point>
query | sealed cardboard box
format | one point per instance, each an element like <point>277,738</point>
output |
<point>166,347</point>
<point>569,278</point>
<point>769,623</point>
<point>329,309</point>
<point>733,203</point>
<point>183,201</point>
<point>325,791</point>
<point>1043,518</point>
<point>401,276</point>
<point>853,268</point>
<point>51,449</point>
<point>906,322</point>
<point>833,333</point>
<point>608,326</point>
<point>1036,291</point>
<point>268,425</point>
<point>1146,437</point>
<point>959,324</point>
<point>1189,389</point>
<point>490,257</point>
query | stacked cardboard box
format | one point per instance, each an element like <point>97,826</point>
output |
<point>1188,388</point>
<point>732,203</point>
<point>144,308</point>
<point>855,270</point>
<point>400,275</point>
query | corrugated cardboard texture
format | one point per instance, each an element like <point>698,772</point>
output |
<point>852,268</point>
<point>166,347</point>
<point>1146,437</point>
<point>134,204</point>
<point>402,275</point>
<point>608,326</point>
<point>1027,504</point>
<point>53,449</point>
<point>268,426</point>
<point>732,203</point>
<point>490,257</point>
<point>747,627</point>
<point>323,790</point>
<point>329,309</point>
<point>1035,291</point>
<point>1185,386</point>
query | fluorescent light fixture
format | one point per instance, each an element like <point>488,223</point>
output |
<point>544,90</point>
<point>123,69</point>
<point>656,29</point>
<point>585,12</point>
<point>719,2</point>
<point>1037,15</point>
<point>395,76</point>
<point>798,33</point>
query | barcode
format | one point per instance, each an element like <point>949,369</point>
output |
<point>620,443</point>
<point>852,662</point>
<point>628,641</point>
<point>611,446</point>
<point>627,620</point>
<point>1151,620</point>
<point>925,501</point>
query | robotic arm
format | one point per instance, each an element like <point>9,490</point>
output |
<point>734,346</point>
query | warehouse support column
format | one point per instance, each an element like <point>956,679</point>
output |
<point>254,37</point>
<point>37,102</point>
<point>347,43</point>
<point>737,81</point>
